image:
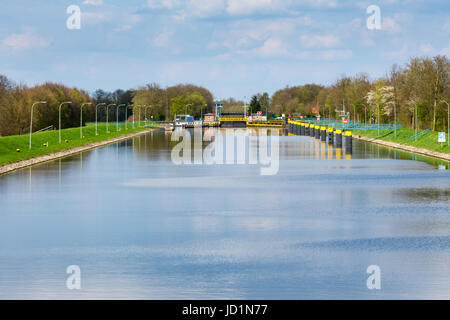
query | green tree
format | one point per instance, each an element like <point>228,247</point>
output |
<point>255,105</point>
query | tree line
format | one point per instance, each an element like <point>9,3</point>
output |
<point>418,89</point>
<point>160,104</point>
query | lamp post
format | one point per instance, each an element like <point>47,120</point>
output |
<point>145,112</point>
<point>104,104</point>
<point>126,116</point>
<point>415,120</point>
<point>31,119</point>
<point>134,115</point>
<point>190,105</point>
<point>448,121</point>
<point>117,115</point>
<point>107,116</point>
<point>395,119</point>
<point>140,108</point>
<point>365,116</point>
<point>201,112</point>
<point>67,102</point>
<point>81,119</point>
<point>378,116</point>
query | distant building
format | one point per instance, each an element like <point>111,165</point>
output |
<point>257,116</point>
<point>209,117</point>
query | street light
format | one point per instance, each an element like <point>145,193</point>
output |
<point>63,103</point>
<point>134,115</point>
<point>189,104</point>
<point>117,115</point>
<point>31,120</point>
<point>81,119</point>
<point>126,116</point>
<point>107,115</point>
<point>140,108</point>
<point>415,120</point>
<point>448,121</point>
<point>365,116</point>
<point>201,113</point>
<point>145,112</point>
<point>395,119</point>
<point>96,133</point>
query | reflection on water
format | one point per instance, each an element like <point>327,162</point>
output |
<point>141,227</point>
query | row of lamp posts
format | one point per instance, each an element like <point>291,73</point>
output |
<point>96,112</point>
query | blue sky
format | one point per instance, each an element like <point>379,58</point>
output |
<point>235,48</point>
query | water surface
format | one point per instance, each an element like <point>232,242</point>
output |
<point>140,226</point>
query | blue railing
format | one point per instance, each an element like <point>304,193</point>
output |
<point>419,135</point>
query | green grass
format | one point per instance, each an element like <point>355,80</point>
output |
<point>10,144</point>
<point>428,141</point>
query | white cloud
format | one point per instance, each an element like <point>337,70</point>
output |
<point>93,2</point>
<point>397,23</point>
<point>209,8</point>
<point>250,6</point>
<point>272,48</point>
<point>446,26</point>
<point>126,27</point>
<point>163,4</point>
<point>94,17</point>
<point>446,51</point>
<point>247,34</point>
<point>426,48</point>
<point>242,7</point>
<point>390,25</point>
<point>336,54</point>
<point>320,41</point>
<point>26,40</point>
<point>202,8</point>
<point>163,39</point>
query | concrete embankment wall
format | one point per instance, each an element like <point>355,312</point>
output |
<point>411,149</point>
<point>61,154</point>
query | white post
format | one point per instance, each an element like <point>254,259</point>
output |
<point>31,120</point>
<point>448,121</point>
<point>117,116</point>
<point>81,119</point>
<point>415,109</point>
<point>126,117</point>
<point>107,115</point>
<point>96,132</point>
<point>67,102</point>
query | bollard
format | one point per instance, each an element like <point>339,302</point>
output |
<point>348,141</point>
<point>317,132</point>
<point>289,126</point>
<point>302,129</point>
<point>330,135</point>
<point>307,129</point>
<point>296,128</point>
<point>338,139</point>
<point>323,133</point>
<point>311,130</point>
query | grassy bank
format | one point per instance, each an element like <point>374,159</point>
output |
<point>47,142</point>
<point>428,141</point>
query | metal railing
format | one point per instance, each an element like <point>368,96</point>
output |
<point>419,135</point>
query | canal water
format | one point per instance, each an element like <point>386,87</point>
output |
<point>140,226</point>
